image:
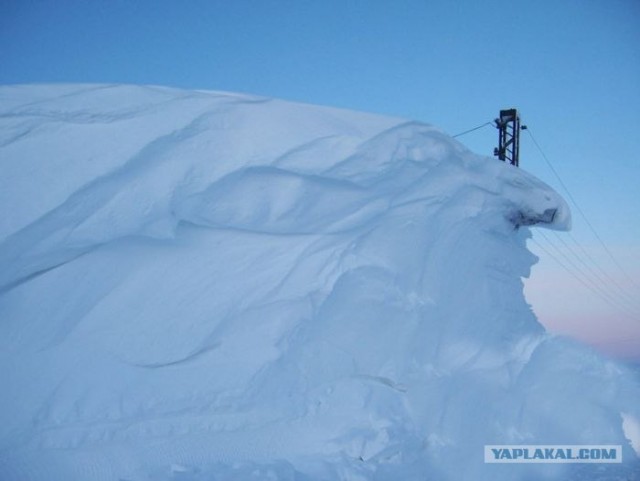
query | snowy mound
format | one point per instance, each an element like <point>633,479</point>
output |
<point>201,285</point>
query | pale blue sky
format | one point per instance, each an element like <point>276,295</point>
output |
<point>572,67</point>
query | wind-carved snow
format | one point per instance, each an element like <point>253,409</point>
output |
<point>201,285</point>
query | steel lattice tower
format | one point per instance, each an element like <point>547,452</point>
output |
<point>508,137</point>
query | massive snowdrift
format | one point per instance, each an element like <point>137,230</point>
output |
<point>201,285</point>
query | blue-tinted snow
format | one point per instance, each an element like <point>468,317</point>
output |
<point>202,285</point>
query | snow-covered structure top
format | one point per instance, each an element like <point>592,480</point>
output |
<point>199,285</point>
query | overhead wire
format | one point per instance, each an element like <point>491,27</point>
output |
<point>612,292</point>
<point>473,129</point>
<point>578,270</point>
<point>610,285</point>
<point>585,283</point>
<point>579,209</point>
<point>610,280</point>
<point>597,284</point>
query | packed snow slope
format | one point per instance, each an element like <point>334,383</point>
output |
<point>209,286</point>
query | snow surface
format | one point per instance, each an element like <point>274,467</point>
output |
<point>210,286</point>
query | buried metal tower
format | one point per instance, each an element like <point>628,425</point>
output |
<point>508,125</point>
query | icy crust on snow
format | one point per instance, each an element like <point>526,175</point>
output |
<point>203,285</point>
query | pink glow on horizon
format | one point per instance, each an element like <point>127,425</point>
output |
<point>566,306</point>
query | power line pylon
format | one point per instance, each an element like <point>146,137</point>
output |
<point>508,125</point>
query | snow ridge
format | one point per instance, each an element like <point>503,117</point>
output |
<point>200,285</point>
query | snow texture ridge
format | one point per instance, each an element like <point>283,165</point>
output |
<point>202,285</point>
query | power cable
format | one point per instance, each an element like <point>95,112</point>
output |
<point>580,211</point>
<point>471,130</point>
<point>621,290</point>
<point>601,288</point>
<point>609,285</point>
<point>618,298</point>
<point>579,272</point>
<point>584,283</point>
